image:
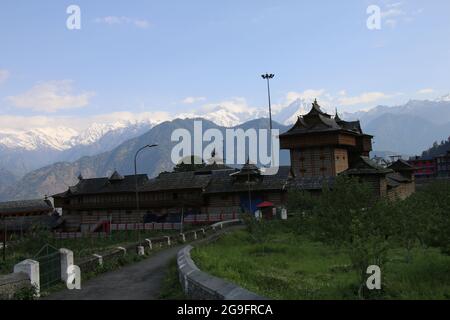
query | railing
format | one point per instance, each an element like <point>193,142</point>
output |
<point>213,217</point>
<point>155,243</point>
<point>145,226</point>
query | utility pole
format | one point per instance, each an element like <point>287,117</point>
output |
<point>267,77</point>
<point>249,195</point>
<point>4,238</point>
<point>136,183</point>
<point>182,217</point>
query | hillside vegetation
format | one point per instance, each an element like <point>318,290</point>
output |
<point>324,249</point>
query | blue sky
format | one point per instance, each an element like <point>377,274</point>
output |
<point>164,58</point>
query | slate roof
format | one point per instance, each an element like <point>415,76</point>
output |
<point>215,178</point>
<point>401,165</point>
<point>395,179</point>
<point>310,183</point>
<point>105,185</point>
<point>247,169</point>
<point>224,181</point>
<point>25,223</point>
<point>176,181</point>
<point>319,121</point>
<point>365,165</point>
<point>25,206</point>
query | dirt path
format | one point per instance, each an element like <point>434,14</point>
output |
<point>139,281</point>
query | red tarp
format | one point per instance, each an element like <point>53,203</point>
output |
<point>265,204</point>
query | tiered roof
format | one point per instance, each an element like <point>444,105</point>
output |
<point>319,121</point>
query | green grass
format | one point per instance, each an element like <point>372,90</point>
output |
<point>171,288</point>
<point>289,266</point>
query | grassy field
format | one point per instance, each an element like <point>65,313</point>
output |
<point>289,266</point>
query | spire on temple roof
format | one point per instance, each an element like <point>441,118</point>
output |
<point>336,117</point>
<point>116,176</point>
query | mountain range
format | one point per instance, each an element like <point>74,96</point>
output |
<point>48,160</point>
<point>58,176</point>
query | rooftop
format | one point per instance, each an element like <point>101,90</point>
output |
<point>25,206</point>
<point>319,121</point>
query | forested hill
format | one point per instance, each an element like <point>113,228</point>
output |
<point>438,149</point>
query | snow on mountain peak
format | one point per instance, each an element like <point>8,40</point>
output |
<point>62,138</point>
<point>49,137</point>
<point>445,98</point>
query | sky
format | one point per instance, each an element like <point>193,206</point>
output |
<point>159,59</point>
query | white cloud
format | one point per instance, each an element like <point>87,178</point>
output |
<point>11,124</point>
<point>363,98</point>
<point>426,91</point>
<point>4,75</point>
<point>192,100</point>
<point>308,95</point>
<point>115,20</point>
<point>395,13</point>
<point>51,96</point>
<point>236,105</point>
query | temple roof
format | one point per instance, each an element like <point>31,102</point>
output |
<point>401,165</point>
<point>224,182</point>
<point>25,206</point>
<point>316,120</point>
<point>176,181</point>
<point>248,169</point>
<point>105,185</point>
<point>116,176</point>
<point>364,165</point>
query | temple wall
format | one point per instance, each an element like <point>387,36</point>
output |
<point>319,162</point>
<point>403,191</point>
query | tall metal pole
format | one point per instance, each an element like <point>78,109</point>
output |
<point>4,239</point>
<point>136,182</point>
<point>267,77</point>
<point>182,217</point>
<point>249,196</point>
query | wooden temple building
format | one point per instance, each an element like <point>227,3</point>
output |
<point>18,217</point>
<point>321,148</point>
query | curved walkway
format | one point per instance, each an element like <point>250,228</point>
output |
<point>139,281</point>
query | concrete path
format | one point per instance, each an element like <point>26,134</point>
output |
<point>139,281</point>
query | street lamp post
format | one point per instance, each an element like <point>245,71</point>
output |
<point>136,181</point>
<point>4,238</point>
<point>267,77</point>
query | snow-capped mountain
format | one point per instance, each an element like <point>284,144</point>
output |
<point>23,151</point>
<point>445,98</point>
<point>289,114</point>
<point>226,113</point>
<point>57,138</point>
<point>63,138</point>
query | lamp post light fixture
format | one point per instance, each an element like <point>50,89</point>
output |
<point>136,181</point>
<point>267,77</point>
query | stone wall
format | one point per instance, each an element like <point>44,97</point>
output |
<point>202,286</point>
<point>12,283</point>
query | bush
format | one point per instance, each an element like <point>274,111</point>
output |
<point>26,293</point>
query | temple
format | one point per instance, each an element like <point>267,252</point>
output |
<point>321,147</point>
